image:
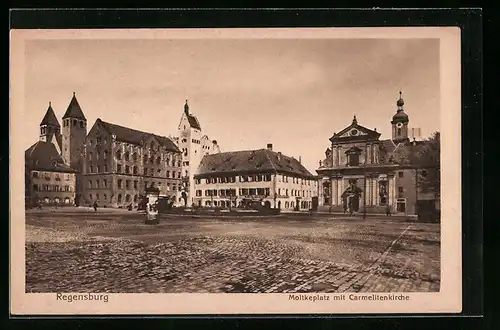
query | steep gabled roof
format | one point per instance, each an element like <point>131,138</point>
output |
<point>74,110</point>
<point>136,137</point>
<point>43,156</point>
<point>50,118</point>
<point>193,121</point>
<point>261,160</point>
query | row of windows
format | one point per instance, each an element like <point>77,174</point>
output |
<point>49,129</point>
<point>119,198</point>
<point>50,187</point>
<point>48,175</point>
<point>134,170</point>
<point>254,178</point>
<point>170,161</point>
<point>254,192</point>
<point>287,204</point>
<point>74,122</point>
<point>127,184</point>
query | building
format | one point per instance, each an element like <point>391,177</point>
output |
<point>361,170</point>
<point>112,164</point>
<point>193,145</point>
<point>48,179</point>
<point>230,179</point>
<point>120,163</point>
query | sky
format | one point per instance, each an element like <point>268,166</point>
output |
<point>293,93</point>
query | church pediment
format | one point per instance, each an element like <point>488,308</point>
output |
<point>355,132</point>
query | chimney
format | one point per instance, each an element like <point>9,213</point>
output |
<point>300,159</point>
<point>270,146</point>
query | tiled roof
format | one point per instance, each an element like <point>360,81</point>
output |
<point>261,160</point>
<point>50,118</point>
<point>125,134</point>
<point>43,156</point>
<point>193,122</point>
<point>74,110</point>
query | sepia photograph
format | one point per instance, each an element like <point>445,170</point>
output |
<point>299,165</point>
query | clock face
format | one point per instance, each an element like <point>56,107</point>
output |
<point>399,125</point>
<point>354,132</point>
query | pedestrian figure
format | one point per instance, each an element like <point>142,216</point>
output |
<point>39,205</point>
<point>345,207</point>
<point>388,210</point>
<point>95,206</point>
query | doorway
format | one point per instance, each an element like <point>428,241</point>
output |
<point>401,205</point>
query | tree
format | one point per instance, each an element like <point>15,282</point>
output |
<point>427,157</point>
<point>424,156</point>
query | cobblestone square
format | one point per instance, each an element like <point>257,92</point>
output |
<point>113,251</point>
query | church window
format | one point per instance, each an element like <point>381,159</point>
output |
<point>105,154</point>
<point>158,160</point>
<point>74,122</point>
<point>119,182</point>
<point>127,184</point>
<point>127,169</point>
<point>98,169</point>
<point>424,173</point>
<point>400,174</point>
<point>119,155</point>
<point>119,198</point>
<point>81,124</point>
<point>127,156</point>
<point>134,170</point>
<point>354,159</point>
<point>399,131</point>
<point>90,184</point>
<point>35,174</point>
<point>97,183</point>
<point>105,183</point>
<point>119,168</point>
<point>105,168</point>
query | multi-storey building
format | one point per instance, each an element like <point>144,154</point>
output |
<point>193,145</point>
<point>360,170</point>
<point>120,163</point>
<point>48,179</point>
<point>229,179</point>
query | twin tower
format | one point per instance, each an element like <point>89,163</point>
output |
<point>70,141</point>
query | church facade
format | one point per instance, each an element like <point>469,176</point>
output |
<point>360,171</point>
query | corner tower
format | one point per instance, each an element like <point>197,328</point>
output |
<point>400,123</point>
<point>74,132</point>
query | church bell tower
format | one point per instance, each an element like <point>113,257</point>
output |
<point>400,123</point>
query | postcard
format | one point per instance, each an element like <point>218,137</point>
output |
<point>235,171</point>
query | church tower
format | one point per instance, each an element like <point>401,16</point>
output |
<point>50,130</point>
<point>400,123</point>
<point>74,133</point>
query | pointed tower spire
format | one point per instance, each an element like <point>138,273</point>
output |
<point>186,108</point>
<point>50,118</point>
<point>74,110</point>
